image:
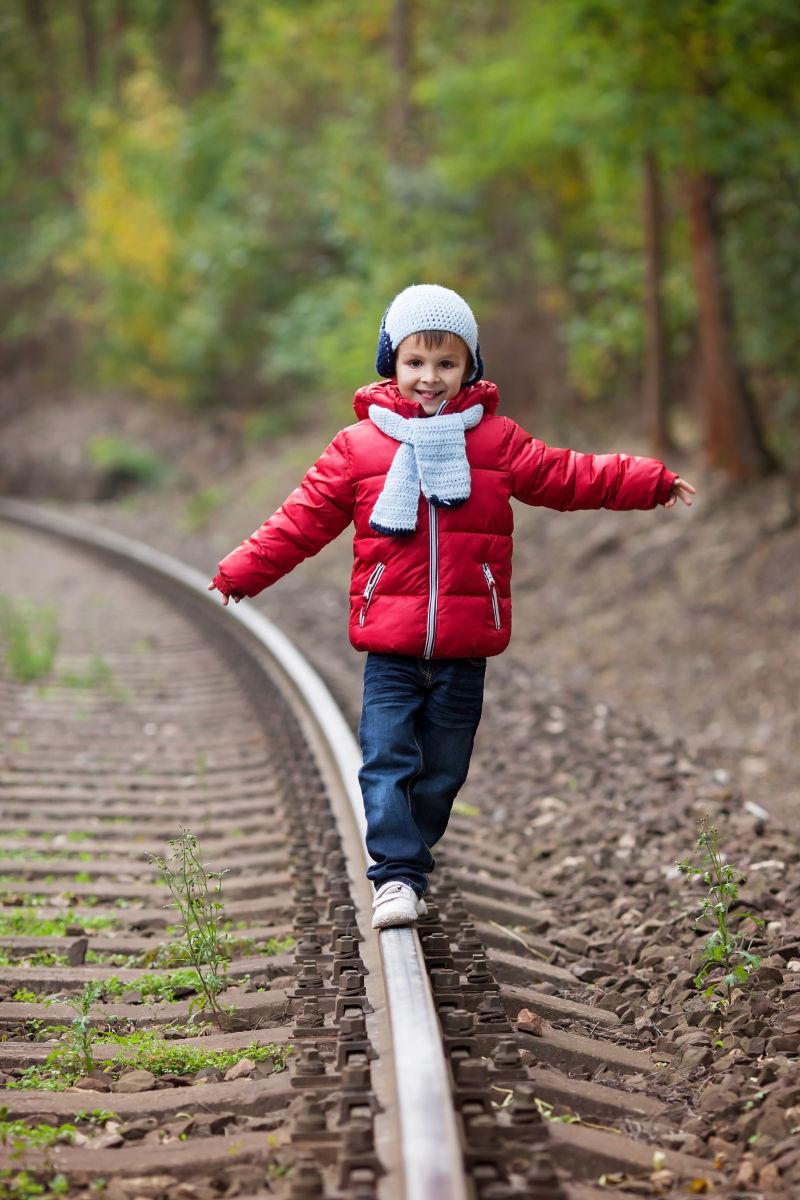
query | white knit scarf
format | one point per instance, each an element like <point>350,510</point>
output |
<point>432,456</point>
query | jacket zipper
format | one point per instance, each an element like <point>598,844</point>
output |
<point>490,583</point>
<point>433,577</point>
<point>369,589</point>
<point>433,569</point>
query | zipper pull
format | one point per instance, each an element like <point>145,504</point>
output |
<point>487,570</point>
<point>372,582</point>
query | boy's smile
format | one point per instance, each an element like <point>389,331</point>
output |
<point>431,375</point>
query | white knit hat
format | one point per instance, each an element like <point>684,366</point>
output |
<point>421,307</point>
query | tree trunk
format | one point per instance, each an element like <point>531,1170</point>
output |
<point>88,23</point>
<point>56,151</point>
<point>401,41</point>
<point>654,375</point>
<point>733,439</point>
<point>123,60</point>
<point>191,50</point>
<point>208,38</point>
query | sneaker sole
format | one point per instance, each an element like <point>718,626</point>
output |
<point>391,919</point>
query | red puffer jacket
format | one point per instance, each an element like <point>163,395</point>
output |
<point>443,591</point>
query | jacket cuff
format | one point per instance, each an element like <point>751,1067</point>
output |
<point>222,585</point>
<point>665,485</point>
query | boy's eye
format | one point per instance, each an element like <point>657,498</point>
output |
<point>448,365</point>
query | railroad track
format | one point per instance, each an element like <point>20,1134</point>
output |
<point>423,1064</point>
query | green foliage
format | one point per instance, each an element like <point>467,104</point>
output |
<point>143,1049</point>
<point>19,1136</point>
<point>154,987</point>
<point>21,1185</point>
<point>31,638</point>
<point>74,1057</point>
<point>237,236</point>
<point>27,922</point>
<point>33,958</point>
<point>277,945</point>
<point>727,961</point>
<point>126,461</point>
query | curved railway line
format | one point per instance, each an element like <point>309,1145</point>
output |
<point>420,1064</point>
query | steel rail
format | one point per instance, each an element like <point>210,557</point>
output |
<point>431,1162</point>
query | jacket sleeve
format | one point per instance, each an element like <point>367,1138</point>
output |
<point>316,512</point>
<point>568,479</point>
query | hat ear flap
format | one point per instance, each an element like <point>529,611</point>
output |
<point>478,372</point>
<point>384,360</point>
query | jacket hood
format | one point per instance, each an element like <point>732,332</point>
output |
<point>386,393</point>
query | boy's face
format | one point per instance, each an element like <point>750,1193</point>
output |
<point>431,375</point>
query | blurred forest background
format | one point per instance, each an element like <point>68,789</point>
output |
<point>210,203</point>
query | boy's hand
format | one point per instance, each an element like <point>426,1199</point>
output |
<point>680,490</point>
<point>225,599</point>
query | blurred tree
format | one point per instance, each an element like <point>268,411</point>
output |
<point>733,437</point>
<point>88,19</point>
<point>654,380</point>
<point>401,40</point>
<point>219,198</point>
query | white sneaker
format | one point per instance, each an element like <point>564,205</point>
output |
<point>395,903</point>
<point>422,908</point>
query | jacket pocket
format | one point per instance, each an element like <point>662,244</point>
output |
<point>492,586</point>
<point>369,591</point>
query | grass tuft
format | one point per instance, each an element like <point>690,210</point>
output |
<point>31,638</point>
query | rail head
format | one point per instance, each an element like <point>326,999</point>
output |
<point>431,1159</point>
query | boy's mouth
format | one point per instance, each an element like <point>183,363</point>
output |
<point>429,395</point>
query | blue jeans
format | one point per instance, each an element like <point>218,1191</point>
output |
<point>417,729</point>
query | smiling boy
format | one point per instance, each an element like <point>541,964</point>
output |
<point>427,473</point>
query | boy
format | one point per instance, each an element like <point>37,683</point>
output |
<point>427,474</point>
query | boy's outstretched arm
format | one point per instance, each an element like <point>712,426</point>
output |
<point>316,512</point>
<point>568,479</point>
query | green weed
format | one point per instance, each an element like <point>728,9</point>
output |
<point>69,1062</point>
<point>21,1137</point>
<point>153,987</point>
<point>277,945</point>
<point>33,855</point>
<point>26,922</point>
<point>22,1185</point>
<point>79,1046</point>
<point>727,962</point>
<point>31,638</point>
<point>148,1050</point>
<point>34,958</point>
<point>197,895</point>
<point>97,674</point>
